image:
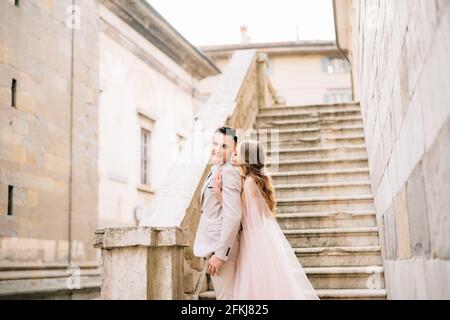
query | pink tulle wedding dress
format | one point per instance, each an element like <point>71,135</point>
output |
<point>267,267</point>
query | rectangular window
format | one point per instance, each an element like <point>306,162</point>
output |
<point>335,66</point>
<point>10,200</point>
<point>17,3</point>
<point>145,156</point>
<point>337,97</point>
<point>325,62</point>
<point>180,142</point>
<point>14,93</point>
<point>330,69</point>
<point>346,66</point>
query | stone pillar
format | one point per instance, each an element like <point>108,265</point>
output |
<point>263,87</point>
<point>142,263</point>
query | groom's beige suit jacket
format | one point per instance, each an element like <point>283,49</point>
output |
<point>220,223</point>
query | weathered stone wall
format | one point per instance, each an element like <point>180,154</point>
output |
<point>48,145</point>
<point>401,64</point>
<point>62,54</point>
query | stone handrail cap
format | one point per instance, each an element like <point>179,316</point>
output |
<point>110,238</point>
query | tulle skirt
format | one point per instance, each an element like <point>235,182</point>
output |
<point>267,267</point>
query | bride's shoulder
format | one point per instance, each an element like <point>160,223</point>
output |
<point>249,180</point>
<point>250,185</point>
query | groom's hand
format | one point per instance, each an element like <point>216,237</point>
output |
<point>214,265</point>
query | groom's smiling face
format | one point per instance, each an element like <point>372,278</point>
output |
<point>222,149</point>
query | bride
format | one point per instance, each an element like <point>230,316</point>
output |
<point>267,267</point>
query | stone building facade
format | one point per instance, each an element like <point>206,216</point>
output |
<point>149,96</point>
<point>302,72</point>
<point>399,54</point>
<point>79,81</point>
<point>48,146</point>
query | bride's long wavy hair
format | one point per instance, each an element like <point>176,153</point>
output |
<point>253,157</point>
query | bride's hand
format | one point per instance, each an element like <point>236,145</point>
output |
<point>218,186</point>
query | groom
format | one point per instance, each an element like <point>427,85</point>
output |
<point>217,236</point>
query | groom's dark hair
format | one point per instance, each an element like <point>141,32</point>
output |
<point>227,131</point>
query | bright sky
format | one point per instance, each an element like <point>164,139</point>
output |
<point>213,22</point>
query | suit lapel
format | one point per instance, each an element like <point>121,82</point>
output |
<point>207,183</point>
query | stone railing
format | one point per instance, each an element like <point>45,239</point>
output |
<point>155,260</point>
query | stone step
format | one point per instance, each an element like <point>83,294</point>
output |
<point>308,108</point>
<point>319,176</point>
<point>327,220</point>
<point>340,256</point>
<point>352,294</point>
<point>369,277</point>
<point>325,132</point>
<point>324,204</point>
<point>274,134</point>
<point>318,164</point>
<point>317,152</point>
<point>329,294</point>
<point>336,237</point>
<point>316,141</point>
<point>309,114</point>
<point>328,122</point>
<point>88,290</point>
<point>322,189</point>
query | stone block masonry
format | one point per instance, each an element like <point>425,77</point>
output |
<point>400,56</point>
<point>48,146</point>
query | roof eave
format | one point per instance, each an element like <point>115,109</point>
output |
<point>145,20</point>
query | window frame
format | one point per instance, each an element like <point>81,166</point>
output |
<point>145,157</point>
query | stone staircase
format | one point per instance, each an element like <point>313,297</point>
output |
<point>320,172</point>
